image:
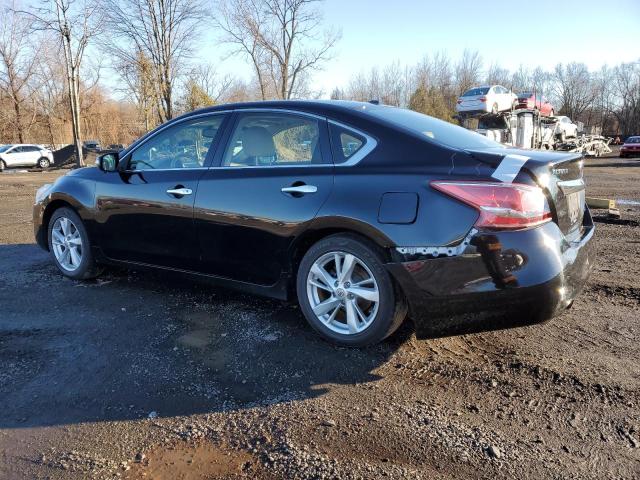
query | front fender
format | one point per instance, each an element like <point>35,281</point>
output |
<point>67,191</point>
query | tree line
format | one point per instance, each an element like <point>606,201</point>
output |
<point>608,98</point>
<point>56,57</point>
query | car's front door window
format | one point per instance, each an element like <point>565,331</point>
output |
<point>184,145</point>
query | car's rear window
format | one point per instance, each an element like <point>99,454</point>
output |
<point>633,140</point>
<point>476,91</point>
<point>432,129</point>
<point>525,95</point>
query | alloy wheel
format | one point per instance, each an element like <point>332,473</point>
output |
<point>67,244</point>
<point>43,163</point>
<point>343,293</point>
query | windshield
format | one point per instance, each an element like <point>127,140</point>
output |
<point>432,129</point>
<point>4,148</point>
<point>476,91</point>
<point>633,140</point>
<point>525,95</point>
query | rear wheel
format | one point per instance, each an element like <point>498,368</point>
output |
<point>69,245</point>
<point>44,162</point>
<point>494,109</point>
<point>346,294</point>
<point>2,165</point>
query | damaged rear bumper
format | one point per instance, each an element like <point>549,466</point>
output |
<point>499,280</point>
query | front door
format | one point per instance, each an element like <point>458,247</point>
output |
<point>269,183</point>
<point>145,210</point>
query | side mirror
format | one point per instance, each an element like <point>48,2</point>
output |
<point>108,162</point>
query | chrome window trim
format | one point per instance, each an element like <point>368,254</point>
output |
<point>312,165</point>
<point>279,110</point>
<point>369,145</point>
<point>370,142</point>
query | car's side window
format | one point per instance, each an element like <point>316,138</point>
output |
<point>183,145</point>
<point>345,143</point>
<point>274,139</point>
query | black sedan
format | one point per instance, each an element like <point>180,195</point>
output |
<point>367,213</point>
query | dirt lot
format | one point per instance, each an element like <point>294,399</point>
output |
<point>141,376</point>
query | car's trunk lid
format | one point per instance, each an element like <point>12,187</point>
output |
<point>561,176</point>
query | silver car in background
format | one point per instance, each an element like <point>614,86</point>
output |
<point>25,155</point>
<point>488,98</point>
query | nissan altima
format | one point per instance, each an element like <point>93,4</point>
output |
<point>366,214</point>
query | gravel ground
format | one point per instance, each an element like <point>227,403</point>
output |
<point>137,375</point>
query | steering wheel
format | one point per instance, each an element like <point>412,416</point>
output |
<point>179,162</point>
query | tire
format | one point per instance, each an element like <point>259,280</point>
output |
<point>382,317</point>
<point>76,236</point>
<point>2,165</point>
<point>494,109</point>
<point>44,162</point>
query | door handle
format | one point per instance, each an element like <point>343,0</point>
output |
<point>180,191</point>
<point>301,189</point>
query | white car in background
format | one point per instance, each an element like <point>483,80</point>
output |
<point>565,128</point>
<point>488,98</point>
<point>25,155</point>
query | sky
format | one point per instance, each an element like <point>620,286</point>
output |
<point>544,32</point>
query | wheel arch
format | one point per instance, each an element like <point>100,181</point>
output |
<point>51,207</point>
<point>326,227</point>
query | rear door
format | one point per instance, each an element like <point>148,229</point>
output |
<point>145,210</point>
<point>268,184</point>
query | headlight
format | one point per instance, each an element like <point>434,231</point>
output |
<point>42,192</point>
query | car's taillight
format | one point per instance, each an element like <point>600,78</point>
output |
<point>483,99</point>
<point>502,206</point>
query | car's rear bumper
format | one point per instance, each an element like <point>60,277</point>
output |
<point>502,279</point>
<point>479,107</point>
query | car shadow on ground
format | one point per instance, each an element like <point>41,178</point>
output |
<point>131,344</point>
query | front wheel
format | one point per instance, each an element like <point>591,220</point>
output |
<point>44,163</point>
<point>2,165</point>
<point>346,294</point>
<point>69,245</point>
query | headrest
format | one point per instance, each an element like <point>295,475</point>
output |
<point>258,142</point>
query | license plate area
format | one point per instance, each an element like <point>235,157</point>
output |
<point>575,208</point>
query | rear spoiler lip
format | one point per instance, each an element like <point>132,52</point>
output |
<point>493,156</point>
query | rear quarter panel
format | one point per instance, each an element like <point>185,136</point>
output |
<point>402,163</point>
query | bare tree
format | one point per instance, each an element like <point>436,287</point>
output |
<point>138,77</point>
<point>161,31</point>
<point>498,75</point>
<point>627,86</point>
<point>75,24</point>
<point>468,70</point>
<point>50,94</point>
<point>18,59</point>
<point>573,88</point>
<point>281,38</point>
